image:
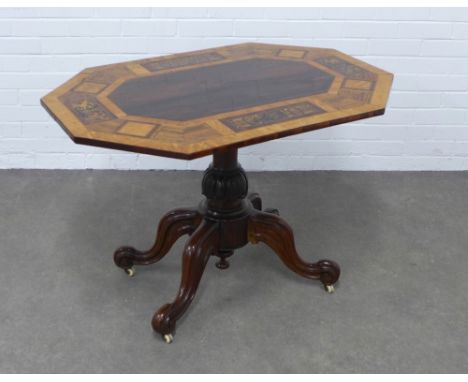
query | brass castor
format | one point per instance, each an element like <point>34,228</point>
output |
<point>130,271</point>
<point>168,338</point>
<point>330,288</point>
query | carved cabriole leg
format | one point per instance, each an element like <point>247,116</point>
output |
<point>200,246</point>
<point>278,235</point>
<point>172,226</point>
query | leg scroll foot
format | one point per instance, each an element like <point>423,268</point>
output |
<point>329,273</point>
<point>200,246</point>
<point>278,235</point>
<point>172,226</point>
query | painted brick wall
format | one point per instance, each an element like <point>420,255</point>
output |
<point>425,128</point>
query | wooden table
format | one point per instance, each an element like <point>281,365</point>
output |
<point>213,102</point>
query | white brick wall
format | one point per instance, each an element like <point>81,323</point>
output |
<point>425,128</point>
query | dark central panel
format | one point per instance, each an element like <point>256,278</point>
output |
<point>221,88</point>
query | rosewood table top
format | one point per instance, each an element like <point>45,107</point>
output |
<point>188,105</point>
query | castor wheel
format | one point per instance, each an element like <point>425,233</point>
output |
<point>130,271</point>
<point>168,338</point>
<point>330,288</point>
<point>274,211</point>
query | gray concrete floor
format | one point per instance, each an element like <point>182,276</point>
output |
<point>401,304</point>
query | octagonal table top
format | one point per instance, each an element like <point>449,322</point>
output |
<point>188,105</point>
